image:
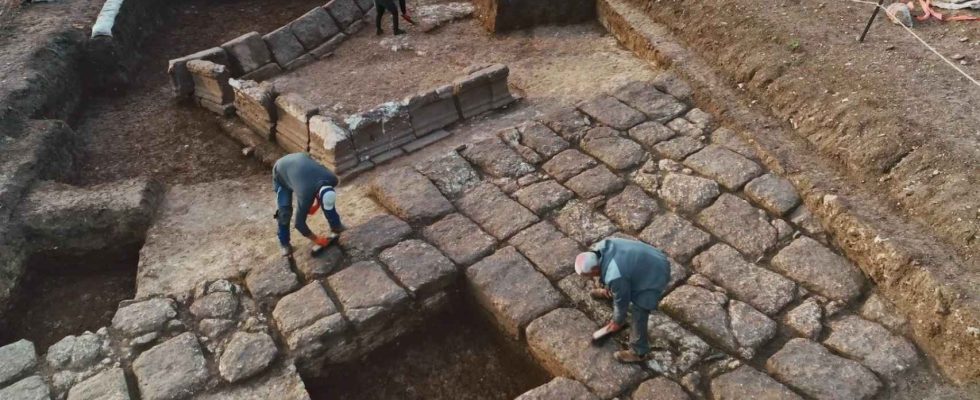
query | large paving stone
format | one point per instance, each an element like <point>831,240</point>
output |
<point>314,28</point>
<point>542,139</point>
<point>747,383</point>
<point>688,193</point>
<point>594,182</point>
<point>144,317</point>
<point>811,369</point>
<point>282,383</point>
<point>612,149</point>
<point>568,122</point>
<point>248,53</point>
<point>650,133</point>
<point>560,341</point>
<point>580,222</point>
<point>16,360</point>
<point>678,350</point>
<point>285,47</point>
<point>879,309</point>
<point>172,370</point>
<point>676,236</point>
<point>874,346</point>
<point>731,140</point>
<point>765,290</point>
<point>647,177</point>
<point>567,164</point>
<point>559,388</point>
<point>75,352</point>
<point>777,195</point>
<point>106,385</point>
<point>684,127</point>
<point>611,112</point>
<point>369,297</point>
<point>805,320</point>
<point>730,169</point>
<point>419,267</point>
<point>30,388</point>
<point>631,209</point>
<point>819,269</point>
<point>733,325</point>
<point>246,355</point>
<point>410,195</point>
<point>645,97</point>
<point>377,233</point>
<point>495,212</point>
<point>309,319</point>
<point>739,224</point>
<point>218,304</point>
<point>271,279</point>
<point>660,388</point>
<point>543,197</point>
<point>450,173</point>
<point>553,252</point>
<point>678,148</point>
<point>497,159</point>
<point>459,239</point>
<point>507,286</point>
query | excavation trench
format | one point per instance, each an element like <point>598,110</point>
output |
<point>67,294</point>
<point>457,354</point>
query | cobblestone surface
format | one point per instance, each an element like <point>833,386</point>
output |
<point>739,224</point>
<point>419,267</point>
<point>174,369</point>
<point>765,290</point>
<point>559,388</point>
<point>495,212</point>
<point>676,236</point>
<point>543,197</point>
<point>730,169</point>
<point>819,269</point>
<point>567,164</point>
<point>631,209</point>
<point>409,195</point>
<point>610,147</point>
<point>550,250</point>
<point>687,193</point>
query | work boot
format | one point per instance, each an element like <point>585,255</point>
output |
<point>600,294</point>
<point>399,32</point>
<point>628,357</point>
<point>380,32</point>
<point>286,251</point>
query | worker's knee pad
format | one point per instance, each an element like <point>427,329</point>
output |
<point>284,215</point>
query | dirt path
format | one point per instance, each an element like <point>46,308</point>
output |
<point>144,132</point>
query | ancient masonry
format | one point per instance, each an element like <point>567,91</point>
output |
<point>347,144</point>
<point>505,216</point>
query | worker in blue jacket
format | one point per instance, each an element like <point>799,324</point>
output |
<point>315,187</point>
<point>635,275</point>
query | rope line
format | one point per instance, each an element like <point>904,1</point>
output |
<point>924,43</point>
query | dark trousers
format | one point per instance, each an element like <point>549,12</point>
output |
<point>387,5</point>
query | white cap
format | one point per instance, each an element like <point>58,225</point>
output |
<point>586,262</point>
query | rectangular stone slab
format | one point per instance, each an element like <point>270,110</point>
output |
<point>812,370</point>
<point>284,45</point>
<point>553,252</point>
<point>180,78</point>
<point>314,28</point>
<point>410,195</point>
<point>495,211</point>
<point>460,239</point>
<point>765,290</point>
<point>433,109</point>
<point>506,285</point>
<point>247,53</point>
<point>560,340</point>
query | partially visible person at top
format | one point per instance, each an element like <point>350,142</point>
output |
<point>387,5</point>
<point>315,187</point>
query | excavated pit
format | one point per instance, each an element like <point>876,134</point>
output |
<point>458,354</point>
<point>68,294</point>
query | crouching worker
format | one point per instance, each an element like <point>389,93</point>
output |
<point>314,186</point>
<point>635,275</point>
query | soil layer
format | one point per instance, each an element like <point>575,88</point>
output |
<point>459,355</point>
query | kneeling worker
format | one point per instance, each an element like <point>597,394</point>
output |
<point>314,186</point>
<point>635,274</point>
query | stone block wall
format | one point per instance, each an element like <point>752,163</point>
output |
<point>508,15</point>
<point>257,57</point>
<point>358,142</point>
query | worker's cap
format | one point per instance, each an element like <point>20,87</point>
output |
<point>586,262</point>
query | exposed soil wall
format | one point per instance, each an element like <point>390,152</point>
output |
<point>897,120</point>
<point>508,15</point>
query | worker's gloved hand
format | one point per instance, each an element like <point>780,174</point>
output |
<point>321,241</point>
